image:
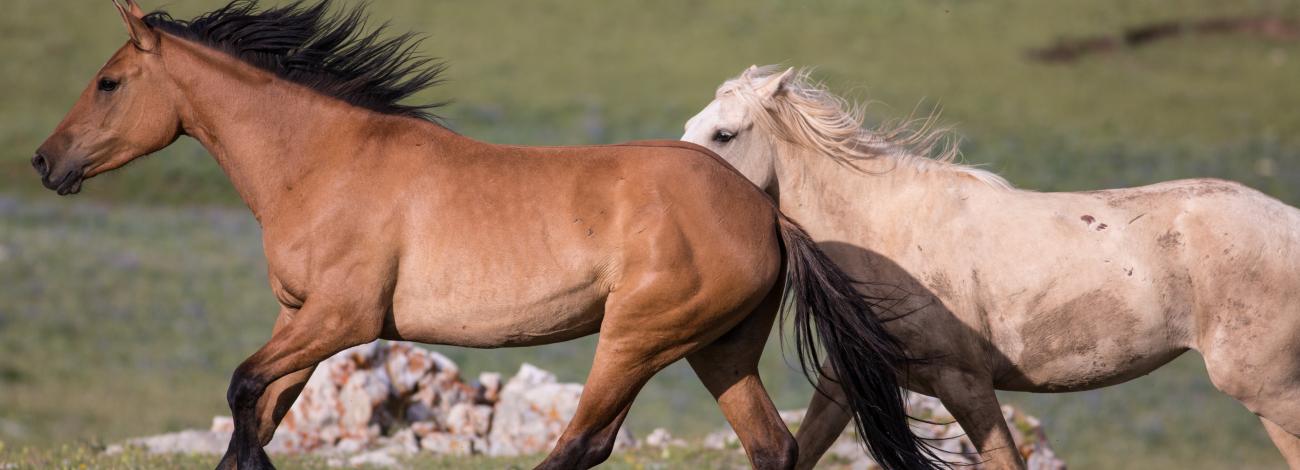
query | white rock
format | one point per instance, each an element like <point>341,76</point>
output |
<point>490,386</point>
<point>376,458</point>
<point>725,439</point>
<point>184,442</point>
<point>531,413</point>
<point>403,442</point>
<point>451,444</point>
<point>660,437</point>
<point>224,424</point>
<point>469,420</point>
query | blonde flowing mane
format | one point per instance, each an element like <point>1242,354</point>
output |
<point>809,115</point>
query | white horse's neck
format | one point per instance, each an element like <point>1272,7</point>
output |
<point>879,201</point>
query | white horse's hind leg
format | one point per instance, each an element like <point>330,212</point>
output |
<point>1253,358</point>
<point>1287,443</point>
<point>823,423</point>
<point>973,402</point>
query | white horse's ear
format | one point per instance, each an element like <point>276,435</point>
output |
<point>776,84</point>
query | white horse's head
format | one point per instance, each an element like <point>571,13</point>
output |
<point>728,124</point>
<point>762,117</point>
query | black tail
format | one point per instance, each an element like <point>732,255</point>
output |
<point>866,359</point>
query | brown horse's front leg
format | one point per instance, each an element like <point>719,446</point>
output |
<point>319,330</point>
<point>280,395</point>
<point>276,401</point>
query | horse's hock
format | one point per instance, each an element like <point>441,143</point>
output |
<point>384,400</point>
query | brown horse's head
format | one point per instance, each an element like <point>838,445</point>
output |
<point>127,111</point>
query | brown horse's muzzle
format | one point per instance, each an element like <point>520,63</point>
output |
<point>65,180</point>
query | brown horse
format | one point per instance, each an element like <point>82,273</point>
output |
<point>379,223</point>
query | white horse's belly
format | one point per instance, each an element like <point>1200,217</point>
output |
<point>1095,340</point>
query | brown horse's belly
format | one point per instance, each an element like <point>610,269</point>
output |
<point>474,316</point>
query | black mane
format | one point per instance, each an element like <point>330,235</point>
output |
<point>327,52</point>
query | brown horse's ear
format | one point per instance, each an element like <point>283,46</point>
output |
<point>776,84</point>
<point>135,9</point>
<point>144,37</point>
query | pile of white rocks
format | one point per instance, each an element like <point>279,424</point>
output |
<point>376,403</point>
<point>385,399</point>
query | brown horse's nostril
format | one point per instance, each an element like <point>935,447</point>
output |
<point>41,164</point>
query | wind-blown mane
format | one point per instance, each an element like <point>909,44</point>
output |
<point>327,52</point>
<point>809,115</point>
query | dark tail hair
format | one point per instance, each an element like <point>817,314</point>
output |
<point>866,359</point>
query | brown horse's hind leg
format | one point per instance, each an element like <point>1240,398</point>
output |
<point>650,322</point>
<point>622,366</point>
<point>319,331</point>
<point>729,369</point>
<point>823,423</point>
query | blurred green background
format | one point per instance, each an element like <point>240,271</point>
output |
<point>124,309</point>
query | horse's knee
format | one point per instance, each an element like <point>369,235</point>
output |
<point>781,453</point>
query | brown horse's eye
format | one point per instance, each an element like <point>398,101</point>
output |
<point>107,84</point>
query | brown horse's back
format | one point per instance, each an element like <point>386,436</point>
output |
<point>528,222</point>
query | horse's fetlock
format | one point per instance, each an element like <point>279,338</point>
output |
<point>243,390</point>
<point>597,454</point>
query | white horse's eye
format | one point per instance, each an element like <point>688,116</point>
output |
<point>724,136</point>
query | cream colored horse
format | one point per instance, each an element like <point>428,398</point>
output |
<point>1020,290</point>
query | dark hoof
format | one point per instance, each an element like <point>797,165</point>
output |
<point>227,462</point>
<point>258,461</point>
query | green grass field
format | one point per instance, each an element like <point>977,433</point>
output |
<point>124,309</point>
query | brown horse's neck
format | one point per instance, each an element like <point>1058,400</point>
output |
<point>266,133</point>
